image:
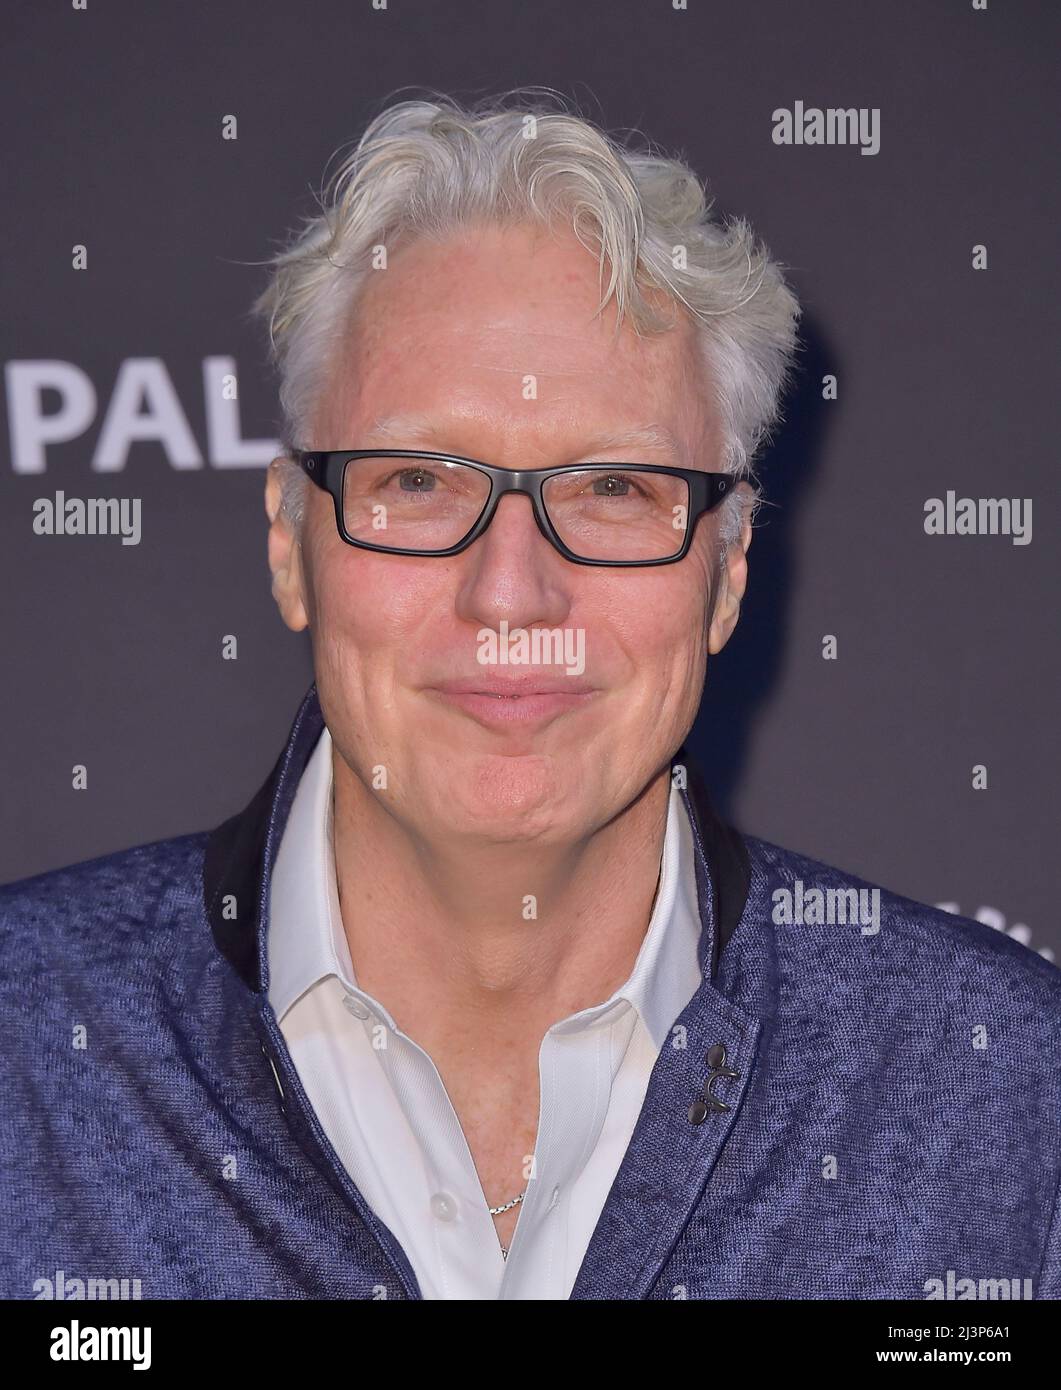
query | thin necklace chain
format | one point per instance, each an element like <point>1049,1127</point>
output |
<point>496,1211</point>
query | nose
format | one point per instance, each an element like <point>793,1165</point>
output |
<point>513,572</point>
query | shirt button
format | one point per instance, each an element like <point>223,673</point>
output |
<point>355,1006</point>
<point>444,1206</point>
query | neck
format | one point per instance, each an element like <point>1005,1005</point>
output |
<point>441,932</point>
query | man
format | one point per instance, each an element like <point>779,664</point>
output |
<point>478,998</point>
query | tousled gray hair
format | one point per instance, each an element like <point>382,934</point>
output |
<point>425,168</point>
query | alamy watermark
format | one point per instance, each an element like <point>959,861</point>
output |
<point>77,1343</point>
<point>539,646</point>
<point>68,1288</point>
<point>953,1289</point>
<point>979,516</point>
<point>801,906</point>
<point>93,516</point>
<point>835,125</point>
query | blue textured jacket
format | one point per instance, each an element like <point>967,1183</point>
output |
<point>891,1129</point>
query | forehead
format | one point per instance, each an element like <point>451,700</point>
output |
<point>414,426</point>
<point>497,329</point>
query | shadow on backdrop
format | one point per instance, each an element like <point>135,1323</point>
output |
<point>742,679</point>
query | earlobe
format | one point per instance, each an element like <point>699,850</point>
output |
<point>723,621</point>
<point>287,580</point>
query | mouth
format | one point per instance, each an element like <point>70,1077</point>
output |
<point>520,703</point>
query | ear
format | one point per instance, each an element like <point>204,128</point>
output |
<point>732,578</point>
<point>285,552</point>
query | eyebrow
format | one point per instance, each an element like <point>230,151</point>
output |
<point>411,427</point>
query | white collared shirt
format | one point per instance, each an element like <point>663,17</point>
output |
<point>385,1110</point>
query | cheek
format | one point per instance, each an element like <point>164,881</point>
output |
<point>661,622</point>
<point>372,611</point>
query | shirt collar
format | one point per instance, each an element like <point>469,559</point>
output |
<point>307,942</point>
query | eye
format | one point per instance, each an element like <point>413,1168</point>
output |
<point>416,480</point>
<point>614,485</point>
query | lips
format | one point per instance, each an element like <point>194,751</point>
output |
<point>526,699</point>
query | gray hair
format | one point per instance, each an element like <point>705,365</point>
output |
<point>426,168</point>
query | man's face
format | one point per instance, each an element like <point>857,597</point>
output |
<point>489,340</point>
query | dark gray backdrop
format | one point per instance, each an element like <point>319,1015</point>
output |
<point>111,121</point>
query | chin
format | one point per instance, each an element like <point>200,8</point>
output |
<point>508,797</point>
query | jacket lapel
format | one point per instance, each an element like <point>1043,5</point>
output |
<point>240,853</point>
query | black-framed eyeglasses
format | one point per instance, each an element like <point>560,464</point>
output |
<point>418,502</point>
